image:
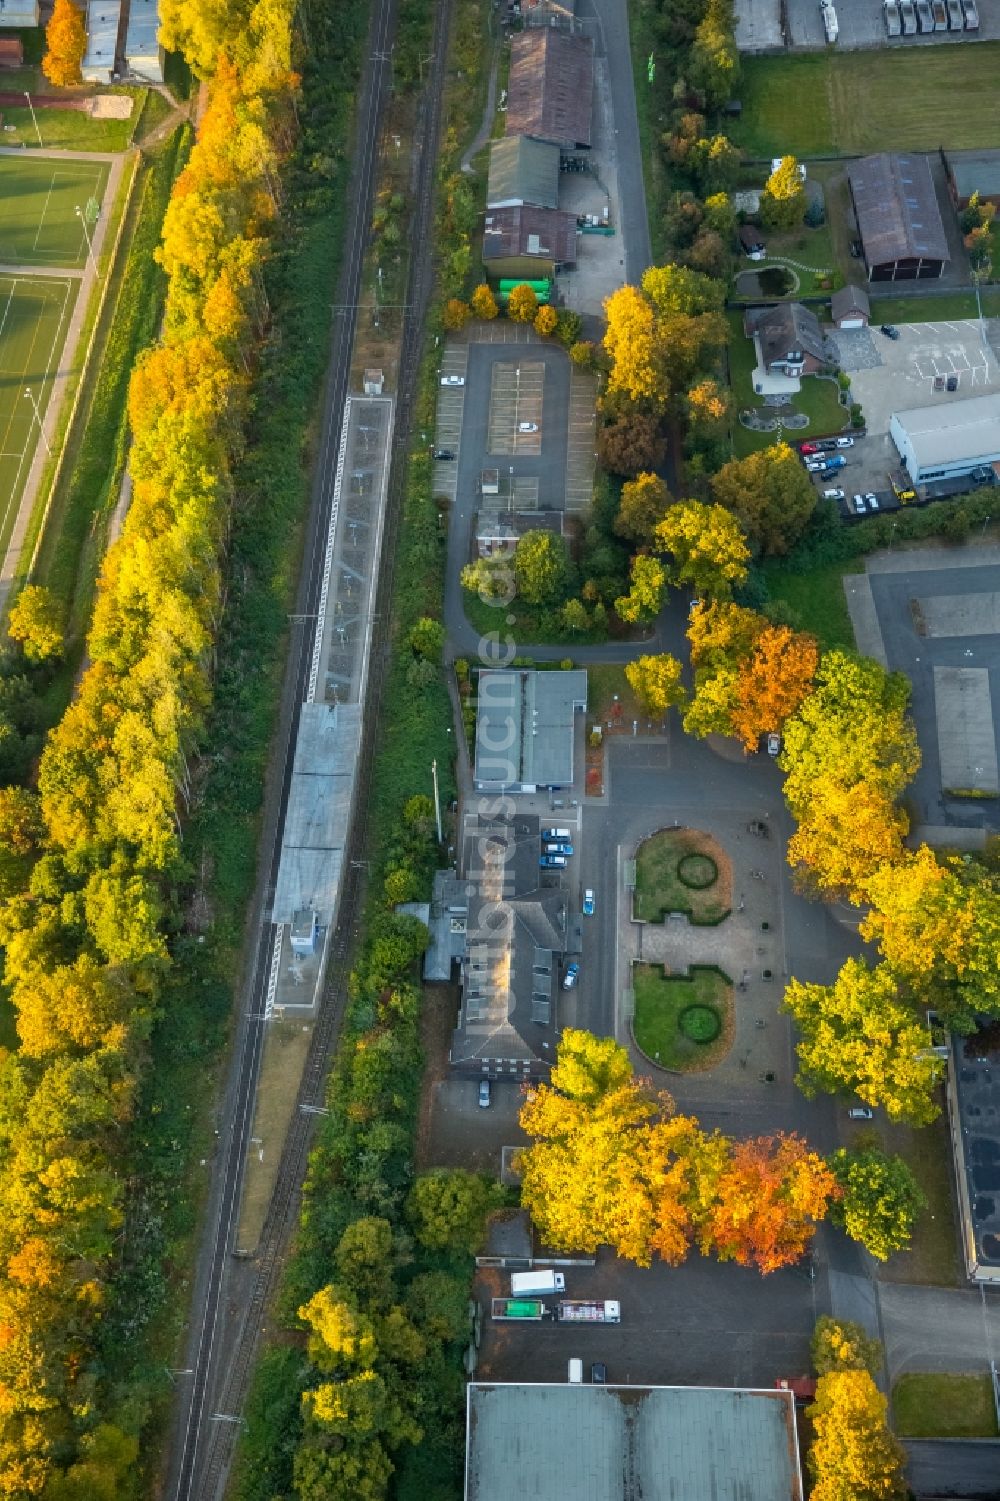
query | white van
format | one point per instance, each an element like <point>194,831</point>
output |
<point>559,834</point>
<point>524,1284</point>
<point>576,1373</point>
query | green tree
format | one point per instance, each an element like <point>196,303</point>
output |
<point>859,1034</point>
<point>426,638</point>
<point>881,1200</point>
<point>448,1209</point>
<point>574,615</point>
<point>783,201</point>
<point>644,503</point>
<point>656,682</point>
<point>439,1304</point>
<point>770,493</point>
<point>840,1345</point>
<point>715,62</point>
<point>708,547</point>
<point>36,620</point>
<point>365,1260</point>
<point>541,568</point>
<point>644,600</point>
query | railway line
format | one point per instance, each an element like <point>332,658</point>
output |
<point>231,1295</point>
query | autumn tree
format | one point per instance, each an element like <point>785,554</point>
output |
<point>456,314</point>
<point>644,601</point>
<point>546,321</point>
<point>708,406</point>
<point>644,503</point>
<point>36,620</point>
<point>690,328</point>
<point>770,1196</point>
<point>720,214</point>
<point>773,681</point>
<point>770,493</point>
<point>656,682</point>
<point>632,344</point>
<point>854,1456</point>
<point>522,304</point>
<point>707,546</point>
<point>881,1200</point>
<point>541,567</point>
<point>841,1345</point>
<point>783,201</point>
<point>715,61</point>
<point>65,45</point>
<point>861,1035</point>
<point>629,440</point>
<point>483,303</point>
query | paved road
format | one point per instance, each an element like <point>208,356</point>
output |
<point>959,1467</point>
<point>613,39</point>
<point>939,1329</point>
<point>224,1289</point>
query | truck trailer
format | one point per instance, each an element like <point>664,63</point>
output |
<point>525,1310</point>
<point>573,1312</point>
<point>540,1282</point>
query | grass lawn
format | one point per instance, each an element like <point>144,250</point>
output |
<point>936,307</point>
<point>933,1256</point>
<point>658,885</point>
<point>825,104</point>
<point>72,129</point>
<point>40,196</point>
<point>818,399</point>
<point>817,597</point>
<point>658,1024</point>
<point>944,1406</point>
<point>34,315</point>
<point>809,247</point>
<point>609,696</point>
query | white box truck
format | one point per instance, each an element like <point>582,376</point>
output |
<point>537,1283</point>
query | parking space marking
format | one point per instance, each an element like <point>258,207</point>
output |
<point>448,423</point>
<point>516,390</point>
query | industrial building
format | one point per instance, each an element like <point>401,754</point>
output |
<point>949,440</point>
<point>550,90</point>
<point>508,933</point>
<point>899,222</point>
<point>973,1093</point>
<point>19,13</point>
<point>973,172</point>
<point>143,54</point>
<point>528,242</point>
<point>663,1443</point>
<point>523,173</point>
<point>103,20</point>
<point>525,728</point>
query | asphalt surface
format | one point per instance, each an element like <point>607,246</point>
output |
<point>612,33</point>
<point>954,1467</point>
<point>223,1288</point>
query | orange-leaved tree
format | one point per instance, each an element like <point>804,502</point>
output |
<point>773,681</point>
<point>770,1196</point>
<point>65,42</point>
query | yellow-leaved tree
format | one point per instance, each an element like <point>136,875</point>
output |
<point>854,1456</point>
<point>65,44</point>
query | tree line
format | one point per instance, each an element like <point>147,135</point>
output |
<point>87,929</point>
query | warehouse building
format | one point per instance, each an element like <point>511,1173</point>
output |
<point>659,1442</point>
<point>523,173</point>
<point>899,222</point>
<point>973,172</point>
<point>528,242</point>
<point>550,90</point>
<point>948,441</point>
<point>525,727</point>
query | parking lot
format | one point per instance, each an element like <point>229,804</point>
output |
<point>861,24</point>
<point>515,420</point>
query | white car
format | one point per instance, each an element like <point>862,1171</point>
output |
<point>872,500</point>
<point>773,744</point>
<point>858,502</point>
<point>845,442</point>
<point>834,494</point>
<point>815,466</point>
<point>453,380</point>
<point>527,427</point>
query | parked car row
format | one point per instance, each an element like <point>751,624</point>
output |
<point>862,504</point>
<point>825,445</point>
<point>557,849</point>
<point>908,17</point>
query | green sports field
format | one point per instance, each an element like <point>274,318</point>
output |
<point>34,315</point>
<point>39,197</point>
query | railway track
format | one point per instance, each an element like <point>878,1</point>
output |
<point>223,1348</point>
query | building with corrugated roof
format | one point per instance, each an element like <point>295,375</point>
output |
<point>523,172</point>
<point>550,89</point>
<point>899,222</point>
<point>552,1441</point>
<point>528,242</point>
<point>948,440</point>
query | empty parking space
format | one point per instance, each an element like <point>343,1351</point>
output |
<point>946,349</point>
<point>580,450</point>
<point>448,425</point>
<point>515,420</point>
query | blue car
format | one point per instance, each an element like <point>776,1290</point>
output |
<point>553,862</point>
<point>588,903</point>
<point>571,976</point>
<point>557,849</point>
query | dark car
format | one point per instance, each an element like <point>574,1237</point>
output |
<point>889,329</point>
<point>598,1374</point>
<point>951,384</point>
<point>857,249</point>
<point>443,453</point>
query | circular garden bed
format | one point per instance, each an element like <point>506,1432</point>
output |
<point>682,870</point>
<point>683,1022</point>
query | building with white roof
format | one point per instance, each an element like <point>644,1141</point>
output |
<point>103,17</point>
<point>143,52</point>
<point>949,440</point>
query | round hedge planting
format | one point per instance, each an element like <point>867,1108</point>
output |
<point>700,1023</point>
<point>697,871</point>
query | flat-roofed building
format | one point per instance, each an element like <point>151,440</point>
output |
<point>19,13</point>
<point>899,221</point>
<point>103,17</point>
<point>973,1097</point>
<point>673,1443</point>
<point>525,728</point>
<point>550,89</point>
<point>973,172</point>
<point>528,242</point>
<point>950,440</point>
<point>143,52</point>
<point>523,172</point>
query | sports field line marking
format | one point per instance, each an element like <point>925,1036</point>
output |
<point>45,209</point>
<point>10,299</point>
<point>48,376</point>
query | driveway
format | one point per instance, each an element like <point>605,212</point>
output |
<point>938,1329</point>
<point>607,20</point>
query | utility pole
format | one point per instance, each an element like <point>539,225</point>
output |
<point>437,800</point>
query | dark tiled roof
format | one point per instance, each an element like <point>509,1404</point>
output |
<point>544,232</point>
<point>897,209</point>
<point>785,327</point>
<point>550,91</point>
<point>849,299</point>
